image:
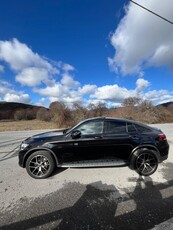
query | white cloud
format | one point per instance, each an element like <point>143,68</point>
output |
<point>32,76</point>
<point>12,97</point>
<point>142,39</point>
<point>31,68</point>
<point>19,56</point>
<point>115,95</point>
<point>160,96</point>
<point>5,87</point>
<point>37,72</point>
<point>53,91</point>
<point>67,67</point>
<point>8,93</point>
<point>42,101</point>
<point>68,81</point>
<point>112,93</point>
<point>67,100</point>
<point>87,89</point>
<point>59,92</point>
<point>141,84</point>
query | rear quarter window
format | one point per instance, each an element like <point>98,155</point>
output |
<point>141,128</point>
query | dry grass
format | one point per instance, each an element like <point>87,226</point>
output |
<point>26,125</point>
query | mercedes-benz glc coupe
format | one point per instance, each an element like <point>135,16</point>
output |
<point>95,142</point>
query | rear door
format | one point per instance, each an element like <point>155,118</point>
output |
<point>118,142</point>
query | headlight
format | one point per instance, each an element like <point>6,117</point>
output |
<point>23,146</point>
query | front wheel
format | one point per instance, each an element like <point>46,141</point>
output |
<point>40,164</point>
<point>145,162</point>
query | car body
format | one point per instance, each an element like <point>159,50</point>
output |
<point>95,142</point>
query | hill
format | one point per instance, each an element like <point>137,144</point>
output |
<point>167,105</point>
<point>5,106</point>
<point>9,109</point>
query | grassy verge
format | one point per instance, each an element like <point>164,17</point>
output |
<point>26,125</point>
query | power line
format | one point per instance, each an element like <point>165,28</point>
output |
<point>151,12</point>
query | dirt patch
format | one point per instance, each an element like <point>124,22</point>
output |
<point>26,125</point>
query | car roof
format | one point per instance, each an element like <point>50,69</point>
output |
<point>123,120</point>
<point>114,118</point>
<point>109,119</point>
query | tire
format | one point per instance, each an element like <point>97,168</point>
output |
<point>40,164</point>
<point>144,162</point>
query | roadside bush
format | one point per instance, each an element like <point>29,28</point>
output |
<point>61,114</point>
<point>19,115</point>
<point>143,110</point>
<point>30,114</point>
<point>43,114</point>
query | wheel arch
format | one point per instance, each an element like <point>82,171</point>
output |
<point>144,147</point>
<point>140,148</point>
<point>38,149</point>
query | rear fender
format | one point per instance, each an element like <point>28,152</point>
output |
<point>140,148</point>
<point>145,147</point>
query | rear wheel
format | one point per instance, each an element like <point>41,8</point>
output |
<point>40,164</point>
<point>145,162</point>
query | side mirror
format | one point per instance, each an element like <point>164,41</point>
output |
<point>76,134</point>
<point>65,131</point>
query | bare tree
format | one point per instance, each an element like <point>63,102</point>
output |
<point>131,101</point>
<point>20,115</point>
<point>97,110</point>
<point>79,113</point>
<point>60,114</point>
<point>43,114</point>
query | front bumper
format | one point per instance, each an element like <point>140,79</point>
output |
<point>21,155</point>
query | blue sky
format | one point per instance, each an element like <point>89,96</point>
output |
<point>85,51</point>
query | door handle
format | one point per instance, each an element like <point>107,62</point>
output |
<point>133,136</point>
<point>97,137</point>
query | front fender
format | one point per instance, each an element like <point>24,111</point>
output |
<point>38,149</point>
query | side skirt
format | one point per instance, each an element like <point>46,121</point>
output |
<point>95,163</point>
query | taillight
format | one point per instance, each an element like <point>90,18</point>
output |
<point>162,137</point>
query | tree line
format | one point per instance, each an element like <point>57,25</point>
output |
<point>64,116</point>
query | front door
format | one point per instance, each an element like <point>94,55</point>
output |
<point>88,146</point>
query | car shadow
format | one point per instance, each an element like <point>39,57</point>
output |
<point>97,206</point>
<point>57,171</point>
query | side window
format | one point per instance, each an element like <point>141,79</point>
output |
<point>141,128</point>
<point>115,127</point>
<point>91,127</point>
<point>131,127</point>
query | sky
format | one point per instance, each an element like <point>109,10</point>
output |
<point>85,51</point>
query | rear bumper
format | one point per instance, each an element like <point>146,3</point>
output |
<point>164,151</point>
<point>163,158</point>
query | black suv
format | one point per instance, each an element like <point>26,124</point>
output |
<point>95,142</point>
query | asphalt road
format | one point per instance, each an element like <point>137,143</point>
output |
<point>104,198</point>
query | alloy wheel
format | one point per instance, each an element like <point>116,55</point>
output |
<point>146,164</point>
<point>39,165</point>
